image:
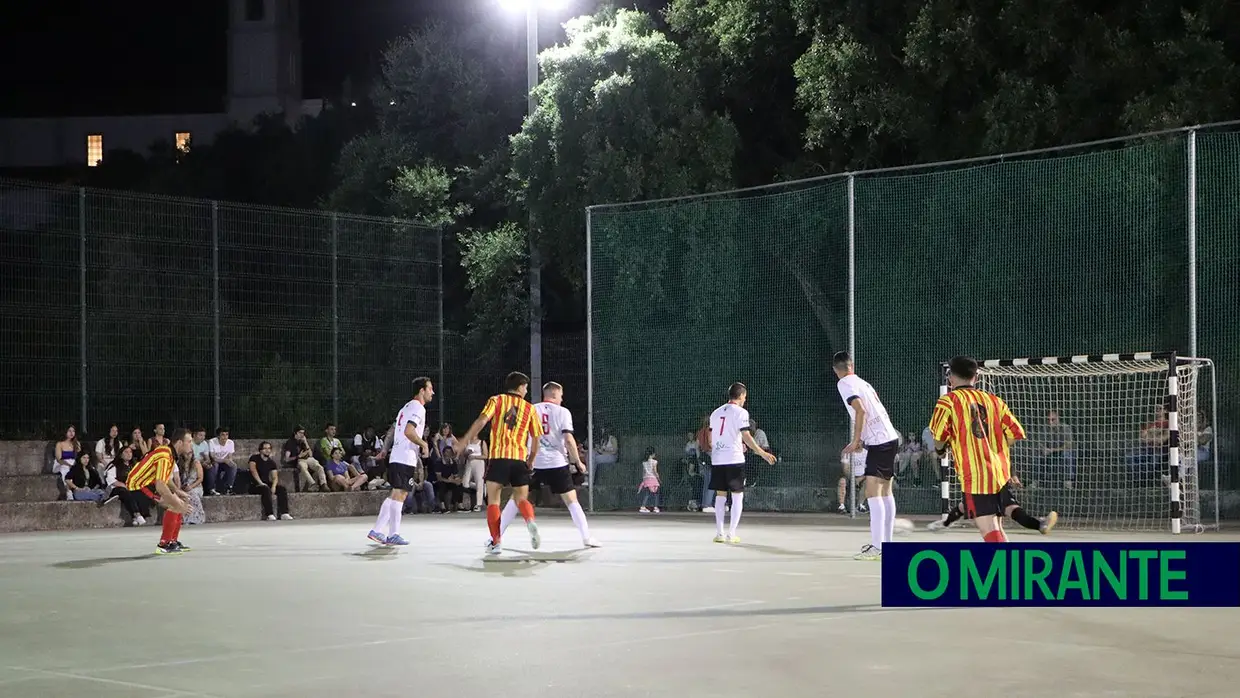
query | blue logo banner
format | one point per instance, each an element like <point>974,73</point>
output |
<point>1061,574</point>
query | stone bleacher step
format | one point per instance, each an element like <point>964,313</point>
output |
<point>61,516</point>
<point>29,488</point>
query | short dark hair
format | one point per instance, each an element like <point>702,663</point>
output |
<point>840,360</point>
<point>736,390</point>
<point>329,425</point>
<point>179,434</point>
<point>221,430</point>
<point>265,444</point>
<point>420,383</point>
<point>963,367</point>
<point>297,429</point>
<point>552,385</point>
<point>197,429</point>
<point>515,380</point>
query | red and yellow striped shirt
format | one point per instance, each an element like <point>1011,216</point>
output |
<point>978,425</point>
<point>155,466</point>
<point>513,425</point>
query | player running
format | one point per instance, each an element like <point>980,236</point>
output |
<point>729,429</point>
<point>873,433</point>
<point>156,468</point>
<point>557,464</point>
<point>961,377</point>
<point>403,463</point>
<point>981,428</point>
<point>515,435</point>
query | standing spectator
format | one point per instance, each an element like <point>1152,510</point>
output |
<point>141,446</point>
<point>328,443</point>
<point>107,448</point>
<point>607,450</point>
<point>649,487</point>
<point>1056,445</point>
<point>265,482</point>
<point>114,477</point>
<point>342,476</point>
<point>473,472</point>
<point>83,481</point>
<point>158,439</point>
<point>191,484</point>
<point>66,452</point>
<point>297,454</point>
<point>221,471</point>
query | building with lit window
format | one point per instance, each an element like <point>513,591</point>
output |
<point>264,77</point>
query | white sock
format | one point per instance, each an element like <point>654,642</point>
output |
<point>738,505</point>
<point>721,501</point>
<point>506,516</point>
<point>878,521</point>
<point>579,518</point>
<point>394,516</point>
<point>889,509</point>
<point>381,525</point>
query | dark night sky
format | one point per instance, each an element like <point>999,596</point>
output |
<point>66,57</point>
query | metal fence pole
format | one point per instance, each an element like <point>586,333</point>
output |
<point>215,300</point>
<point>335,322</point>
<point>443,410</point>
<point>1192,243</point>
<point>82,300</point>
<point>852,266</point>
<point>590,357</point>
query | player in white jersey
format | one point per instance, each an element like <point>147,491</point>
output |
<point>408,448</point>
<point>873,432</point>
<point>729,434</point>
<point>557,464</point>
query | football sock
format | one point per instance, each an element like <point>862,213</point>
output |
<point>176,527</point>
<point>394,514</point>
<point>878,521</point>
<point>579,519</point>
<point>381,522</point>
<point>506,517</point>
<point>995,537</point>
<point>1019,516</point>
<point>527,510</point>
<point>953,516</point>
<point>738,505</point>
<point>889,511</point>
<point>493,522</point>
<point>165,533</point>
<point>721,502</point>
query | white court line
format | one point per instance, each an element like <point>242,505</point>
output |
<point>795,574</point>
<point>727,571</point>
<point>163,690</point>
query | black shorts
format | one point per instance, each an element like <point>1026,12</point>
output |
<point>560,480</point>
<point>400,476</point>
<point>727,478</point>
<point>989,504</point>
<point>880,460</point>
<point>507,472</point>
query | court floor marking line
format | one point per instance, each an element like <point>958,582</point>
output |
<point>161,690</point>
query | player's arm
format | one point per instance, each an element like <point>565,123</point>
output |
<point>169,498</point>
<point>747,437</point>
<point>474,429</point>
<point>574,455</point>
<point>941,426</point>
<point>534,429</point>
<point>858,424</point>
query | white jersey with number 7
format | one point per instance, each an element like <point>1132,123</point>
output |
<point>726,425</point>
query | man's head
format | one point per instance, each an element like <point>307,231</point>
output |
<point>264,449</point>
<point>200,435</point>
<point>553,392</point>
<point>423,390</point>
<point>159,430</point>
<point>299,432</point>
<point>222,434</point>
<point>329,430</point>
<point>182,442</point>
<point>517,383</point>
<point>961,370</point>
<point>337,454</point>
<point>842,364</point>
<point>1052,417</point>
<point>738,393</point>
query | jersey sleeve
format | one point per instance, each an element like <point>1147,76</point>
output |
<point>941,420</point>
<point>744,421</point>
<point>491,406</point>
<point>1012,427</point>
<point>847,393</point>
<point>566,427</point>
<point>535,424</point>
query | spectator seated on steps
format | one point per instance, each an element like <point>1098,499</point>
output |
<point>82,481</point>
<point>299,455</point>
<point>341,475</point>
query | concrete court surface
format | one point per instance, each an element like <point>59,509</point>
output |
<point>312,609</point>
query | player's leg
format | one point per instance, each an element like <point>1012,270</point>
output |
<point>399,475</point>
<point>1014,511</point>
<point>953,515</point>
<point>985,510</point>
<point>880,471</point>
<point>736,485</point>
<point>174,507</point>
<point>497,477</point>
<point>563,485</point>
<point>520,478</point>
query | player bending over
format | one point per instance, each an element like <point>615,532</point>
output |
<point>514,427</point>
<point>403,463</point>
<point>853,465</point>
<point>729,429</point>
<point>980,428</point>
<point>156,468</point>
<point>557,464</point>
<point>874,433</point>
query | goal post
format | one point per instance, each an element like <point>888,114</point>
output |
<point>1111,439</point>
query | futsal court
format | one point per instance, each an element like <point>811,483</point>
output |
<point>313,609</point>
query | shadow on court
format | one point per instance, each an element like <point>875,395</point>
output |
<point>520,564</point>
<point>377,552</point>
<point>101,561</point>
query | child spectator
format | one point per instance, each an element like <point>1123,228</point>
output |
<point>649,487</point>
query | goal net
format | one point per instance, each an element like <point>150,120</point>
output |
<point>1111,440</point>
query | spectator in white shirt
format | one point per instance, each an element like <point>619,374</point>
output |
<point>606,451</point>
<point>108,448</point>
<point>221,472</point>
<point>136,505</point>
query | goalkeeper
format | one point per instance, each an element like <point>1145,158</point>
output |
<point>980,429</point>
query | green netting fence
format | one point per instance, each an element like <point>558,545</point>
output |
<point>1085,249</point>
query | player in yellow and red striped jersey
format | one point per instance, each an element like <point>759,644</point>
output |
<point>156,469</point>
<point>515,431</point>
<point>980,429</point>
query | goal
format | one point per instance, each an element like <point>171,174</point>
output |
<point>1111,440</point>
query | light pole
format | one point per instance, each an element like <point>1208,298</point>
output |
<point>531,8</point>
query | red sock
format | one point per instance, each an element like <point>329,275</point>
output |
<point>169,525</point>
<point>995,537</point>
<point>176,527</point>
<point>493,522</point>
<point>526,509</point>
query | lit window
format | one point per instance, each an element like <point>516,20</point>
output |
<point>183,141</point>
<point>94,149</point>
<point>255,10</point>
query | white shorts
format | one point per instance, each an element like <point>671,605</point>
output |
<point>857,460</point>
